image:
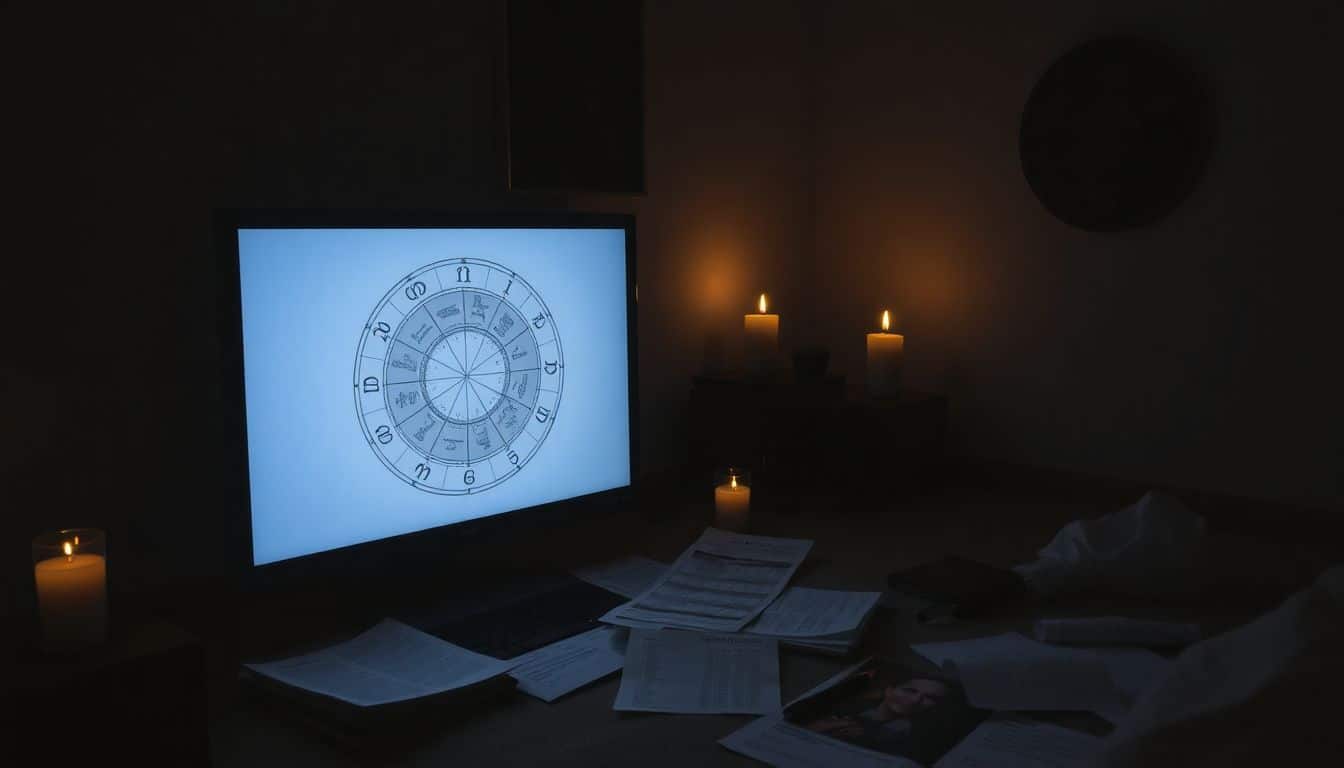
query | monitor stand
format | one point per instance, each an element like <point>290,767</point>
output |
<point>509,619</point>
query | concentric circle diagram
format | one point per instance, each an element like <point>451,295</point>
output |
<point>458,376</point>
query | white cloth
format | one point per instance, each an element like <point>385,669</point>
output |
<point>1266,693</point>
<point>1146,549</point>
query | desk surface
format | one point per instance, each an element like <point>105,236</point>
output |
<point>853,549</point>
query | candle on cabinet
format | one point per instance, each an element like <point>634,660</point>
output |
<point>732,504</point>
<point>886,351</point>
<point>762,336</point>
<point>72,597</point>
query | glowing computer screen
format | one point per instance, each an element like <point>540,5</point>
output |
<point>403,378</point>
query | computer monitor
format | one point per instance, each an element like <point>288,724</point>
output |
<point>398,375</point>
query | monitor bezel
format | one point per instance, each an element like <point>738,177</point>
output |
<point>397,559</point>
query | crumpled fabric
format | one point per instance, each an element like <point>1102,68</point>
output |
<point>1149,548</point>
<point>1265,693</point>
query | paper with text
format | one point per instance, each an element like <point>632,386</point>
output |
<point>720,583</point>
<point>551,672</point>
<point>699,673</point>
<point>815,613</point>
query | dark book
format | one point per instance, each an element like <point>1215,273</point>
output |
<point>960,588</point>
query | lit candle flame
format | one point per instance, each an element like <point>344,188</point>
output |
<point>761,303</point>
<point>76,541</point>
<point>69,550</point>
<point>886,321</point>
<point>733,480</point>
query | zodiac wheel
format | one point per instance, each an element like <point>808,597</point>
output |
<point>458,376</point>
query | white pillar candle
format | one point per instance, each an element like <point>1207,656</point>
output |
<point>761,337</point>
<point>732,505</point>
<point>885,353</point>
<point>72,599</point>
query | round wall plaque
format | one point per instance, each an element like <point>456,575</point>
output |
<point>1116,133</point>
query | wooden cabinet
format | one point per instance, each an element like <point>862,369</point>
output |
<point>806,439</point>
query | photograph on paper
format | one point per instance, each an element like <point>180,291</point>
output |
<point>890,707</point>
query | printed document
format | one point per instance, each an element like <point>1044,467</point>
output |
<point>720,583</point>
<point>699,673</point>
<point>811,613</point>
<point>551,672</point>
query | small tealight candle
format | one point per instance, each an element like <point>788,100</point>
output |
<point>762,337</point>
<point>885,353</point>
<point>732,502</point>
<point>70,570</point>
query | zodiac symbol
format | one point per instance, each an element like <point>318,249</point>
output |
<point>522,385</point>
<point>407,398</point>
<point>420,433</point>
<point>509,415</point>
<point>478,308</point>
<point>502,327</point>
<point>450,444</point>
<point>482,436</point>
<point>517,352</point>
<point>405,362</point>
<point>449,311</point>
<point>419,335</point>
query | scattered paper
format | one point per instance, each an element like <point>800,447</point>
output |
<point>699,673</point>
<point>815,613</point>
<point>390,662</point>
<point>1005,742</point>
<point>629,576</point>
<point>551,672</point>
<point>780,743</point>
<point>1011,672</point>
<point>1115,630</point>
<point>720,583</point>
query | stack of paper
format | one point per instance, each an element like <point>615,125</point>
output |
<point>826,620</point>
<point>720,583</point>
<point>389,663</point>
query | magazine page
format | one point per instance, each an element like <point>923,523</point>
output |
<point>885,711</point>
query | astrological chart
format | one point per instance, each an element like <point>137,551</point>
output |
<point>458,376</point>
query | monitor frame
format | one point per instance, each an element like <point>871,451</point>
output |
<point>396,560</point>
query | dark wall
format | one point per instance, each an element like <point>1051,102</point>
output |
<point>728,211</point>
<point>127,126</point>
<point>132,125</point>
<point>1195,352</point>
